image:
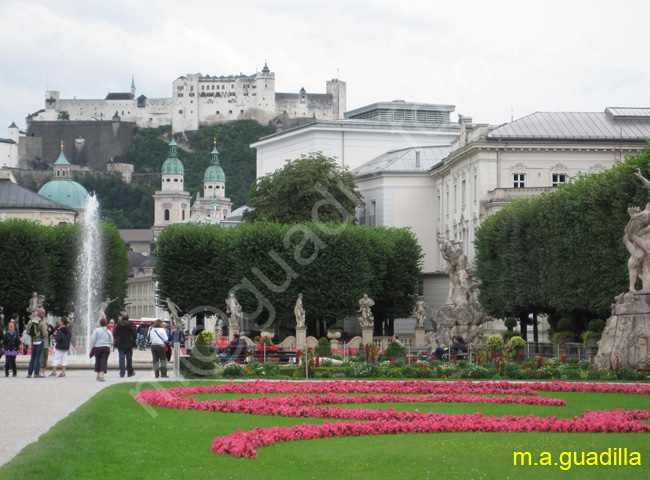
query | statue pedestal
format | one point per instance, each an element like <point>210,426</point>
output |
<point>231,333</point>
<point>301,337</point>
<point>625,340</point>
<point>366,335</point>
<point>334,344</point>
<point>419,337</point>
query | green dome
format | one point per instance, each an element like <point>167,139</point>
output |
<point>66,192</point>
<point>173,165</point>
<point>214,173</point>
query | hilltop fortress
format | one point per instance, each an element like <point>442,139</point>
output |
<point>200,100</point>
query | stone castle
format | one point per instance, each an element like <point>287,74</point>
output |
<point>202,100</point>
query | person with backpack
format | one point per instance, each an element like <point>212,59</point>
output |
<point>62,337</point>
<point>125,342</point>
<point>11,344</point>
<point>37,329</point>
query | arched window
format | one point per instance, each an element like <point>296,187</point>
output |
<point>166,215</point>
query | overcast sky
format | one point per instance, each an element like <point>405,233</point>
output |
<point>489,58</point>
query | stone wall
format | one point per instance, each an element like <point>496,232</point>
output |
<point>85,143</point>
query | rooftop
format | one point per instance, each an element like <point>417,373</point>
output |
<point>13,195</point>
<point>405,112</point>
<point>405,160</point>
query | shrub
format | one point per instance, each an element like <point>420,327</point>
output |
<point>627,373</point>
<point>517,343</point>
<point>510,323</point>
<point>495,341</point>
<point>269,369</point>
<point>508,334</point>
<point>232,369</point>
<point>596,325</point>
<point>564,325</point>
<point>394,350</point>
<point>201,361</point>
<point>324,348</point>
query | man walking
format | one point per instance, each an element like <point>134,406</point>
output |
<point>125,342</point>
<point>37,329</point>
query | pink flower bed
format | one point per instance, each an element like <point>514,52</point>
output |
<point>307,399</point>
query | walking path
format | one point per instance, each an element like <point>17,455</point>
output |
<point>42,402</point>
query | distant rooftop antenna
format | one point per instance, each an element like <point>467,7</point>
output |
<point>512,114</point>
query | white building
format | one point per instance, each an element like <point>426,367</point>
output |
<point>363,135</point>
<point>9,147</point>
<point>198,100</point>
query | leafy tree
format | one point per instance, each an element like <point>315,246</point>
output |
<point>311,188</point>
<point>123,204</point>
<point>63,115</point>
<point>267,265</point>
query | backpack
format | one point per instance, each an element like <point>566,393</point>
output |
<point>34,331</point>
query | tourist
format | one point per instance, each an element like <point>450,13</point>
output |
<point>11,344</point>
<point>125,342</point>
<point>234,351</point>
<point>62,337</point>
<point>37,329</point>
<point>177,336</point>
<point>457,346</point>
<point>101,341</point>
<point>111,326</point>
<point>158,339</point>
<point>220,342</point>
<point>47,343</point>
<point>143,330</point>
<point>264,348</point>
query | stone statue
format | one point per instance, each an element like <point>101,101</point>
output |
<point>299,312</point>
<point>366,319</point>
<point>101,310</point>
<point>234,309</point>
<point>625,342</point>
<point>35,303</point>
<point>461,284</point>
<point>173,311</point>
<point>420,311</point>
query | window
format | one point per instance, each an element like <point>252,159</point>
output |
<point>519,180</point>
<point>558,179</point>
<point>373,214</point>
<point>166,215</point>
<point>183,215</point>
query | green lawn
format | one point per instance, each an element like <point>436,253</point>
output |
<point>112,436</point>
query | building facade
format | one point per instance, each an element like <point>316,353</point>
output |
<point>199,100</point>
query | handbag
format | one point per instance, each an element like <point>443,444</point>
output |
<point>91,354</point>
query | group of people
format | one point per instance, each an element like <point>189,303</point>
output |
<point>40,336</point>
<point>237,349</point>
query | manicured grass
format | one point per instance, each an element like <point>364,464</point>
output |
<point>112,436</point>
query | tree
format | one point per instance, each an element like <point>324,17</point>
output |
<point>63,115</point>
<point>311,188</point>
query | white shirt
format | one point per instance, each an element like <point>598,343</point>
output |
<point>158,336</point>
<point>101,337</point>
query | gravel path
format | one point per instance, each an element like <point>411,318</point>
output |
<point>55,398</point>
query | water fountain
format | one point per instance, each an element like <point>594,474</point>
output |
<point>89,275</point>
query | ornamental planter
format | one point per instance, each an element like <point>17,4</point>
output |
<point>334,334</point>
<point>267,334</point>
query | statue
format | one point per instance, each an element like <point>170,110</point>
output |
<point>625,341</point>
<point>461,285</point>
<point>299,312</point>
<point>366,319</point>
<point>35,303</point>
<point>420,311</point>
<point>173,311</point>
<point>101,310</point>
<point>234,309</point>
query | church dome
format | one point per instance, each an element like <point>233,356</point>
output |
<point>67,192</point>
<point>173,165</point>
<point>214,173</point>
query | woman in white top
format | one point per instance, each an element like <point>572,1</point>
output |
<point>158,339</point>
<point>101,341</point>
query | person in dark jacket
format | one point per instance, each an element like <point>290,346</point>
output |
<point>237,349</point>
<point>125,342</point>
<point>62,337</point>
<point>457,346</point>
<point>11,345</point>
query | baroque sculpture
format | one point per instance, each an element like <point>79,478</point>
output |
<point>173,311</point>
<point>234,309</point>
<point>625,342</point>
<point>101,310</point>
<point>299,312</point>
<point>366,319</point>
<point>461,315</point>
<point>420,311</point>
<point>35,303</point>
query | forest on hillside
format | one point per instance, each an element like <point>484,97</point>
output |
<point>132,206</point>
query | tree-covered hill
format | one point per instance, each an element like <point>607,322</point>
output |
<point>131,206</point>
